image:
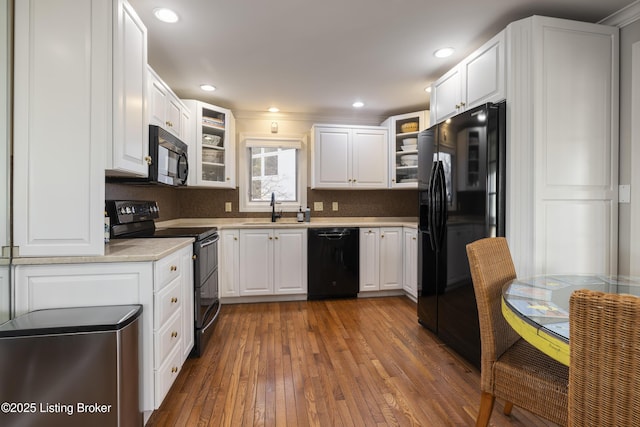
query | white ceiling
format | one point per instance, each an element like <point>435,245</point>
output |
<point>316,57</point>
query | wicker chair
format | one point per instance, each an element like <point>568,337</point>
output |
<point>511,368</point>
<point>604,374</point>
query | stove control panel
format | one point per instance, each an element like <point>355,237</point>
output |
<point>130,211</point>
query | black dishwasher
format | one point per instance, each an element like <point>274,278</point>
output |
<point>333,262</point>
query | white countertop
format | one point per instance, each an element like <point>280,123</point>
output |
<point>227,223</point>
<point>153,249</point>
<point>119,250</point>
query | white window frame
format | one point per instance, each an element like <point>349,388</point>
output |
<point>244,167</point>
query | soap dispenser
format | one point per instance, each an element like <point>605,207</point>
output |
<point>300,215</point>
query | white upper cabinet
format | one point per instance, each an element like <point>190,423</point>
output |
<point>98,81</point>
<point>128,148</point>
<point>562,136</point>
<point>349,157</point>
<point>165,108</point>
<point>478,79</point>
<point>212,146</point>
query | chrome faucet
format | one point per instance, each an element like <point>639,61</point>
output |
<point>274,215</point>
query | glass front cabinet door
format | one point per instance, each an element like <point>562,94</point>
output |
<point>212,149</point>
<point>403,148</point>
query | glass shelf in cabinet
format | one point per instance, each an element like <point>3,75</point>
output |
<point>406,134</point>
<point>210,128</point>
<point>212,147</point>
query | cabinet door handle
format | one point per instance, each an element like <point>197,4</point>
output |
<point>148,160</point>
<point>270,238</point>
<point>174,369</point>
<point>194,257</point>
<point>276,237</point>
<point>174,334</point>
<point>174,300</point>
<point>382,236</point>
<point>173,268</point>
<point>462,104</point>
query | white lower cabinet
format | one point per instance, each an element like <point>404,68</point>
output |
<point>272,261</point>
<point>410,262</point>
<point>229,263</point>
<point>369,259</point>
<point>381,262</point>
<point>164,288</point>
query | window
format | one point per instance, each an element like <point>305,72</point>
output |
<point>273,170</point>
<point>275,166</point>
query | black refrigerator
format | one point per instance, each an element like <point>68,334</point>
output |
<point>461,186</point>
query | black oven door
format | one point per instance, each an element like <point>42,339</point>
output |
<point>206,280</point>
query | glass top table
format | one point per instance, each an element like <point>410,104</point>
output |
<point>537,308</point>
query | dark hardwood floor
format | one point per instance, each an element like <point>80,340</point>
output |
<point>351,362</point>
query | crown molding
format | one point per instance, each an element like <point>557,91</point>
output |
<point>625,16</point>
<point>335,118</point>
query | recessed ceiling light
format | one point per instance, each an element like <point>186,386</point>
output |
<point>208,88</point>
<point>273,109</point>
<point>444,52</point>
<point>427,89</point>
<point>166,15</point>
<point>358,104</point>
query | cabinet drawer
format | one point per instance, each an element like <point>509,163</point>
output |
<point>167,374</point>
<point>166,303</point>
<point>166,338</point>
<point>166,270</point>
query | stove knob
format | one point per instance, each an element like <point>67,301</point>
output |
<point>122,210</point>
<point>133,209</point>
<point>128,209</point>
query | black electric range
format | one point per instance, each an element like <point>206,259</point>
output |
<point>132,219</point>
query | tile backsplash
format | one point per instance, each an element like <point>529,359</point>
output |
<point>210,203</point>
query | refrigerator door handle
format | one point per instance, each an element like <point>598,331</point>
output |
<point>440,207</point>
<point>443,203</point>
<point>431,224</point>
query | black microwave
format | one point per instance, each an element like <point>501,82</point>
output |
<point>168,162</point>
